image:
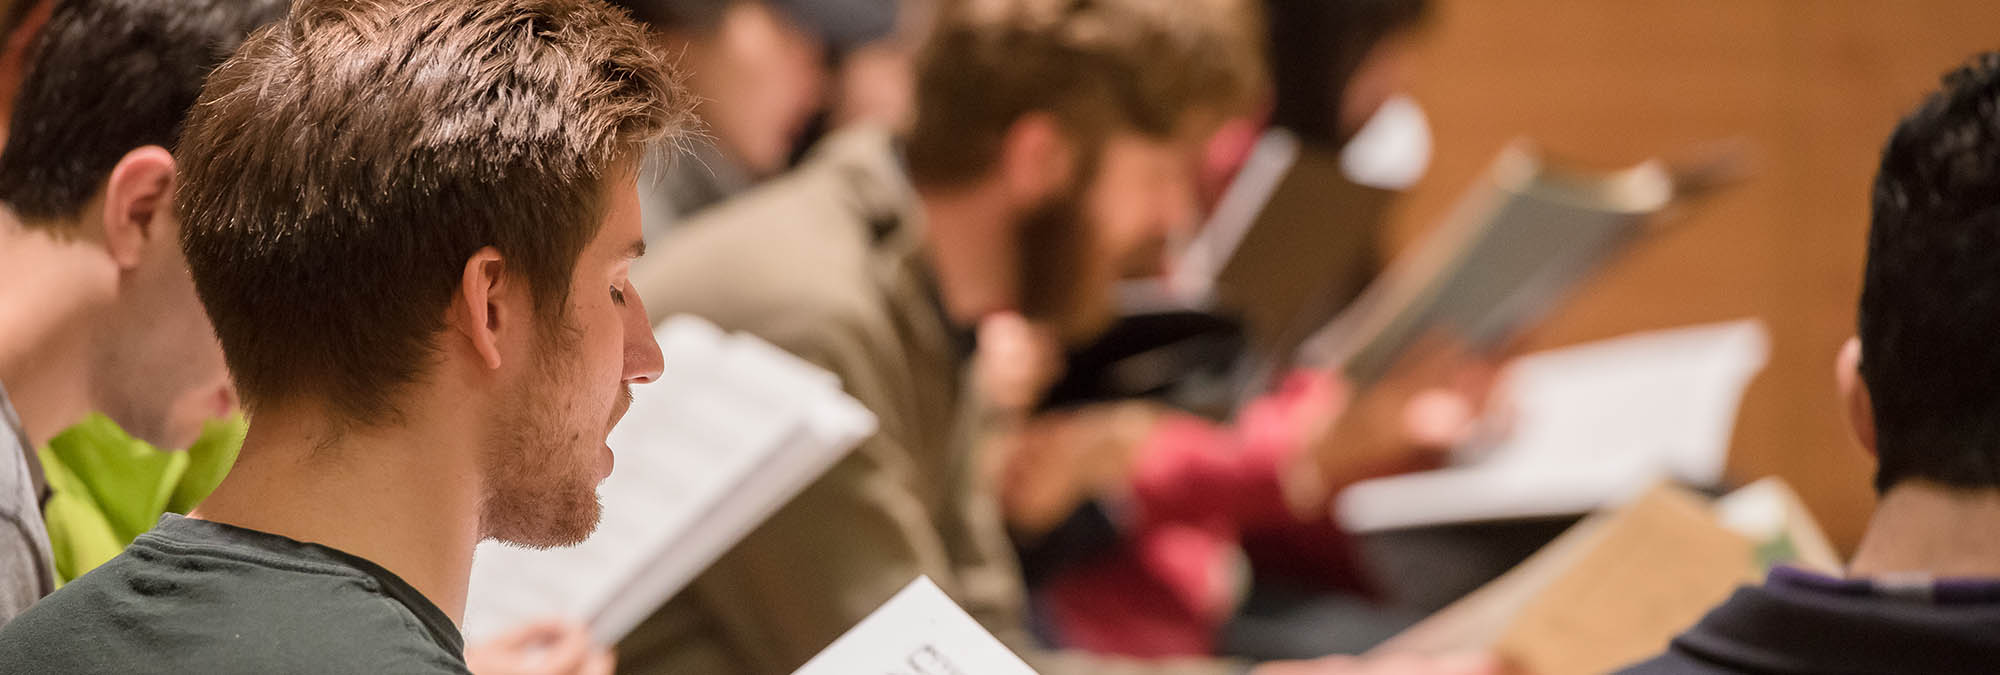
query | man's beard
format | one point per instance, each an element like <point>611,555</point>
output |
<point>1057,264</point>
<point>541,491</point>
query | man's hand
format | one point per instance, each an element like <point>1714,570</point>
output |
<point>1393,664</point>
<point>1055,461</point>
<point>1018,361</point>
<point>547,647</point>
<point>1428,404</point>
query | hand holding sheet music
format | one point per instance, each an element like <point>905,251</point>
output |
<point>1427,403</point>
<point>1515,248</point>
<point>1595,423</point>
<point>1282,243</point>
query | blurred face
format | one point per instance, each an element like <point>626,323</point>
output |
<point>547,453</point>
<point>163,375</point>
<point>760,79</point>
<point>1079,244</point>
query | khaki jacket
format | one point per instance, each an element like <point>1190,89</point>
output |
<point>827,263</point>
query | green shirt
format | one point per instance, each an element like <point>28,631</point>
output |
<point>107,488</point>
<point>193,596</point>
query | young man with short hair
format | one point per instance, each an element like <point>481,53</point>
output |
<point>411,223</point>
<point>97,311</point>
<point>1922,594</point>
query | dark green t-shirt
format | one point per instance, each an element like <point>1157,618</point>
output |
<point>193,596</point>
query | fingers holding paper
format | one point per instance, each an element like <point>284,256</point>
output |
<point>1433,399</point>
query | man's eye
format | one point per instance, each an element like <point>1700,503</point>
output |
<point>618,295</point>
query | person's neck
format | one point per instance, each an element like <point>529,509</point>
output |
<point>405,498</point>
<point>49,293</point>
<point>970,246</point>
<point>1925,528</point>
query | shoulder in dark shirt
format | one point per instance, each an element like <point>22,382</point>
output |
<point>196,596</point>
<point>1800,623</point>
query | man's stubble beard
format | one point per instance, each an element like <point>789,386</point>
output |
<point>541,492</point>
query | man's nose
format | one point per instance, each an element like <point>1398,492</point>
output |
<point>643,360</point>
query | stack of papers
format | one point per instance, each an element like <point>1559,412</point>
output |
<point>1593,426</point>
<point>732,429</point>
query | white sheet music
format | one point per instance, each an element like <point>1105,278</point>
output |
<point>920,631</point>
<point>730,431</point>
<point>1594,425</point>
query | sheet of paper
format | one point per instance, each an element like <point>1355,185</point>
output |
<point>920,631</point>
<point>1593,425</point>
<point>730,431</point>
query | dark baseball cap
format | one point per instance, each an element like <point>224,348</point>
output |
<point>841,24</point>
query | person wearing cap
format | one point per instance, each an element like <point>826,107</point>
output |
<point>760,69</point>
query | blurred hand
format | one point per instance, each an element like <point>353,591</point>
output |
<point>1393,664</point>
<point>1017,362</point>
<point>546,647</point>
<point>1056,461</point>
<point>1431,402</point>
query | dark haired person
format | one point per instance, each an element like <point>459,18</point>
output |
<point>97,311</point>
<point>1922,594</point>
<point>411,225</point>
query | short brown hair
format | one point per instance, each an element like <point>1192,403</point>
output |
<point>340,169</point>
<point>1098,66</point>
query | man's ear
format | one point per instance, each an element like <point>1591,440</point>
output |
<point>138,199</point>
<point>1854,393</point>
<point>476,310</point>
<point>1035,158</point>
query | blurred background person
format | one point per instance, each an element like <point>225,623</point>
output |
<point>763,71</point>
<point>1054,148</point>
<point>875,276</point>
<point>1169,508</point>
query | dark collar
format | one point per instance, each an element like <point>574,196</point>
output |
<point>1801,622</point>
<point>1906,588</point>
<point>267,548</point>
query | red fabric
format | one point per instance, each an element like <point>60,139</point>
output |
<point>1159,597</point>
<point>1197,491</point>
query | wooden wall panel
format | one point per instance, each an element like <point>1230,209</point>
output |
<point>1816,85</point>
